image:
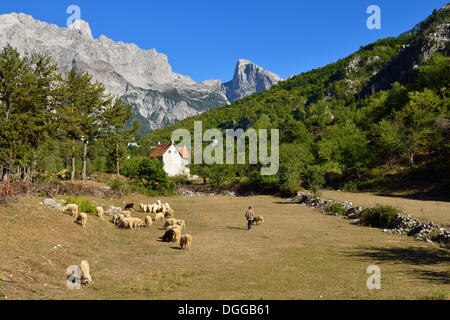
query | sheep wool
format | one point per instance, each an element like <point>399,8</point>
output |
<point>86,278</point>
<point>186,242</point>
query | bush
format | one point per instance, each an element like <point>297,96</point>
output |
<point>84,205</point>
<point>149,174</point>
<point>336,208</point>
<point>386,217</point>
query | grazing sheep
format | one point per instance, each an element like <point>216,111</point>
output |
<point>169,236</point>
<point>181,223</point>
<point>167,206</point>
<point>130,206</point>
<point>71,209</point>
<point>86,278</point>
<point>135,223</point>
<point>169,214</point>
<point>127,214</point>
<point>125,223</point>
<point>142,207</point>
<point>258,220</point>
<point>148,221</point>
<point>100,211</point>
<point>159,217</point>
<point>172,235</point>
<point>186,242</point>
<point>81,219</point>
<point>177,234</point>
<point>174,227</point>
<point>159,202</point>
<point>170,222</point>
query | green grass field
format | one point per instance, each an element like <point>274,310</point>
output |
<point>298,253</point>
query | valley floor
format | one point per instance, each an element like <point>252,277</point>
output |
<point>298,253</point>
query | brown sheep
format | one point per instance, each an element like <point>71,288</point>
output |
<point>81,219</point>
<point>186,242</point>
<point>169,236</point>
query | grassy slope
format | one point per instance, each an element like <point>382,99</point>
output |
<point>298,254</point>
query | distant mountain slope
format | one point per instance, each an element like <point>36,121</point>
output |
<point>142,78</point>
<point>373,68</point>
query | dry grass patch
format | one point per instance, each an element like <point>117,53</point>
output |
<point>297,253</point>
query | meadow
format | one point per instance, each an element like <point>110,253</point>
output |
<point>298,253</point>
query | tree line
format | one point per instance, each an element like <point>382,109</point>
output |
<point>41,108</point>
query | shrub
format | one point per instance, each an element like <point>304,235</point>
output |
<point>83,204</point>
<point>336,208</point>
<point>386,217</point>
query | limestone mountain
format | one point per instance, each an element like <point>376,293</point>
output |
<point>142,78</point>
<point>248,79</point>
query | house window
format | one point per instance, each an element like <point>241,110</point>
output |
<point>170,151</point>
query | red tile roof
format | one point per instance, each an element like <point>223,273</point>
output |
<point>160,150</point>
<point>184,152</point>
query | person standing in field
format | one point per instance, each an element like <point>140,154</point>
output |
<point>249,215</point>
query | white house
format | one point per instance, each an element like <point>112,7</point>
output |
<point>175,159</point>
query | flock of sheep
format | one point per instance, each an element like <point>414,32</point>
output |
<point>123,219</point>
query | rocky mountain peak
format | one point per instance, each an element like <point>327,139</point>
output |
<point>83,27</point>
<point>248,78</point>
<point>141,78</point>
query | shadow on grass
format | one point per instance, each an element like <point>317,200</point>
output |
<point>439,276</point>
<point>175,248</point>
<point>415,256</point>
<point>237,228</point>
<point>421,257</point>
<point>420,196</point>
<point>286,202</point>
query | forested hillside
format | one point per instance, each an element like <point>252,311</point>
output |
<point>378,119</point>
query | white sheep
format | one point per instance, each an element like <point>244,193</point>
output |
<point>71,209</point>
<point>81,219</point>
<point>174,227</point>
<point>86,278</point>
<point>100,211</point>
<point>181,223</point>
<point>127,214</point>
<point>159,217</point>
<point>170,213</point>
<point>148,221</point>
<point>186,242</point>
<point>170,222</point>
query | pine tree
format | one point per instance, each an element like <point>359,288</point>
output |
<point>115,119</point>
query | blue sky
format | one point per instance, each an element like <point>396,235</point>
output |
<point>204,38</point>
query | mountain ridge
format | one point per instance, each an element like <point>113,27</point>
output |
<point>142,78</point>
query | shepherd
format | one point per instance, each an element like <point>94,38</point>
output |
<point>249,215</point>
